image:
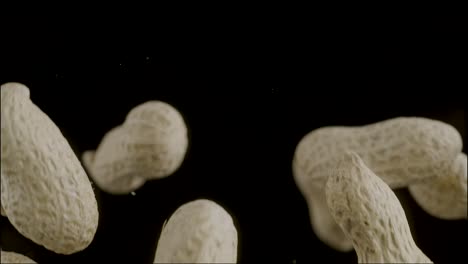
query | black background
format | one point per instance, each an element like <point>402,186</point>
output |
<point>247,98</point>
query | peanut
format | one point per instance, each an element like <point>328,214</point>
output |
<point>45,192</point>
<point>445,196</point>
<point>150,144</point>
<point>200,231</point>
<point>370,214</point>
<point>403,151</point>
<point>13,257</point>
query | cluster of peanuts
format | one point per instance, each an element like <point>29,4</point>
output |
<point>346,175</point>
<point>47,195</point>
<point>421,154</point>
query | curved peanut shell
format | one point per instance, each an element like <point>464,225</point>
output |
<point>45,191</point>
<point>323,224</point>
<point>445,196</point>
<point>401,150</point>
<point>370,214</point>
<point>150,144</point>
<point>13,257</point>
<point>200,231</point>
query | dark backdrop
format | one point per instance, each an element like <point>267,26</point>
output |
<point>247,103</point>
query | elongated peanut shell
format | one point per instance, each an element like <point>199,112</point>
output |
<point>402,151</point>
<point>150,144</point>
<point>13,257</point>
<point>200,231</point>
<point>45,191</point>
<point>370,214</point>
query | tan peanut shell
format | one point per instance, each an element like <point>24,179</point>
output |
<point>370,214</point>
<point>200,231</point>
<point>45,192</point>
<point>150,144</point>
<point>445,196</point>
<point>13,257</point>
<point>402,151</point>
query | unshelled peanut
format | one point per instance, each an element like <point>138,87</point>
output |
<point>45,192</point>
<point>403,151</point>
<point>370,214</point>
<point>9,257</point>
<point>200,231</point>
<point>150,144</point>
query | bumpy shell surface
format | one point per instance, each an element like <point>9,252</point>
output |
<point>370,214</point>
<point>200,231</point>
<point>402,151</point>
<point>12,257</point>
<point>445,196</point>
<point>45,191</point>
<point>323,224</point>
<point>150,144</point>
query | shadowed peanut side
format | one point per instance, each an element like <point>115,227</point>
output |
<point>445,196</point>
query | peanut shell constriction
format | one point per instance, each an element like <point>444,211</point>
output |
<point>150,144</point>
